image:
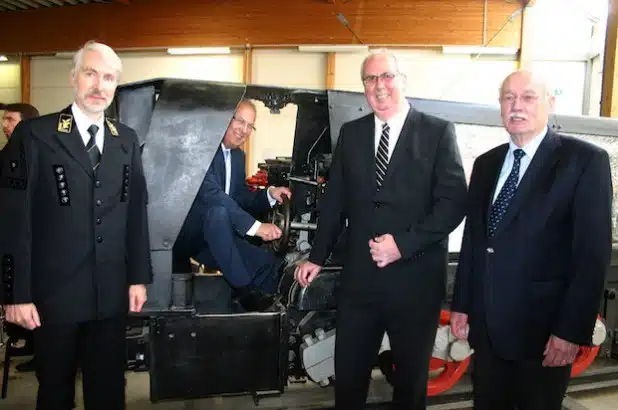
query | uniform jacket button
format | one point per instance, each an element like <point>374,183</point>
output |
<point>99,239</point>
<point>99,202</point>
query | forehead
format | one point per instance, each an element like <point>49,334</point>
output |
<point>520,83</point>
<point>94,60</point>
<point>245,112</point>
<point>379,64</point>
<point>12,115</point>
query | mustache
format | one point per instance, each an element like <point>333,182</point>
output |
<point>517,116</point>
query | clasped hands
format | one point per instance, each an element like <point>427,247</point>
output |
<point>383,250</point>
<point>26,315</point>
<point>558,352</point>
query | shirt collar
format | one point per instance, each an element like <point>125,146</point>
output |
<point>82,120</point>
<point>225,150</point>
<point>532,146</point>
<point>397,120</point>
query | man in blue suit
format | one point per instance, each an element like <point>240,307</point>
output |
<point>535,252</point>
<point>221,218</point>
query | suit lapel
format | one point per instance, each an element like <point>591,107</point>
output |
<point>111,145</point>
<point>407,137</point>
<point>367,148</point>
<point>543,162</point>
<point>492,174</point>
<point>71,141</point>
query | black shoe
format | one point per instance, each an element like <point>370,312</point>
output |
<point>28,366</point>
<point>255,300</point>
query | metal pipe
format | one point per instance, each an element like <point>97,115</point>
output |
<point>303,181</point>
<point>304,226</point>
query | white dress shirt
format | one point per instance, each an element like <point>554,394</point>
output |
<point>395,124</point>
<point>529,149</point>
<point>227,158</point>
<point>83,123</point>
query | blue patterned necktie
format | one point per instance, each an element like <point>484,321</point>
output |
<point>507,192</point>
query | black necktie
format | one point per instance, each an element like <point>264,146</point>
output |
<point>507,192</point>
<point>92,148</point>
<point>382,155</point>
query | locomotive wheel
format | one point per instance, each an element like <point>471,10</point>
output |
<point>281,218</point>
<point>443,374</point>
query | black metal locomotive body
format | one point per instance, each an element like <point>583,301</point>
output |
<point>195,344</point>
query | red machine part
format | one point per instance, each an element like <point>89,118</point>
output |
<point>443,374</point>
<point>587,354</point>
<point>259,179</point>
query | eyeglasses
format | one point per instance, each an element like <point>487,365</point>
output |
<point>373,79</point>
<point>244,123</point>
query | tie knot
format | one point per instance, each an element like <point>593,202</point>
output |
<point>92,130</point>
<point>518,153</point>
<point>385,127</point>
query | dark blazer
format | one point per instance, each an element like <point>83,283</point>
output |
<point>543,270</point>
<point>72,241</point>
<point>421,201</point>
<point>241,203</point>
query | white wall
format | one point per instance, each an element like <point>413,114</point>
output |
<point>50,89</point>
<point>10,89</point>
<point>430,74</point>
<point>284,68</point>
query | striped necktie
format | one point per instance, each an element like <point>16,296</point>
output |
<point>382,156</point>
<point>92,148</point>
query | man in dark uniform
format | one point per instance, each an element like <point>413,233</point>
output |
<point>75,249</point>
<point>13,115</point>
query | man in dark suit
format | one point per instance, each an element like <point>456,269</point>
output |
<point>222,217</point>
<point>13,115</point>
<point>535,252</point>
<point>74,244</point>
<point>397,178</point>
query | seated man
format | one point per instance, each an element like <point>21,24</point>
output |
<point>214,233</point>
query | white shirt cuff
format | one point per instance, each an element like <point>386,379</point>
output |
<point>254,228</point>
<point>272,201</point>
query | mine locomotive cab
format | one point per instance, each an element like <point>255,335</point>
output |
<point>199,344</point>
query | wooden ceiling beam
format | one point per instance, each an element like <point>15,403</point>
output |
<point>16,4</point>
<point>6,5</point>
<point>30,3</point>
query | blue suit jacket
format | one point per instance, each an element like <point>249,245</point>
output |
<point>241,203</point>
<point>543,271</point>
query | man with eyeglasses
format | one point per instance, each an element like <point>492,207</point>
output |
<point>397,177</point>
<point>536,248</point>
<point>219,222</point>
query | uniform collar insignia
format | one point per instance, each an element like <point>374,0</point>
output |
<point>112,128</point>
<point>65,123</point>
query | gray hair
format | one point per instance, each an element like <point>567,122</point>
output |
<point>376,53</point>
<point>109,56</point>
<point>537,79</point>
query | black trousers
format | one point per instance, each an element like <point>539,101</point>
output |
<point>515,385</point>
<point>97,348</point>
<point>360,327</point>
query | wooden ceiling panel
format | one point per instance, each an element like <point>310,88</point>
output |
<point>181,23</point>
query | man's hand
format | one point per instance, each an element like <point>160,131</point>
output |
<point>384,250</point>
<point>137,297</point>
<point>305,273</point>
<point>268,232</point>
<point>277,193</point>
<point>559,352</point>
<point>24,315</point>
<point>459,325</point>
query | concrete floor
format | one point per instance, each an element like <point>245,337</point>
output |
<point>22,393</point>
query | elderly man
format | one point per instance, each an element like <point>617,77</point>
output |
<point>397,177</point>
<point>74,244</point>
<point>14,114</point>
<point>222,217</point>
<point>535,252</point>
